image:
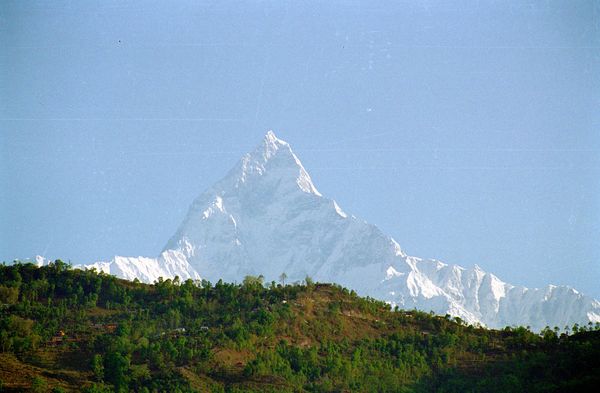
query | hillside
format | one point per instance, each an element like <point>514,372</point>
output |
<point>74,330</point>
<point>267,217</point>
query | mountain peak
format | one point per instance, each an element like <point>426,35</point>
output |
<point>271,139</point>
<point>271,146</point>
<point>266,217</point>
<point>275,156</point>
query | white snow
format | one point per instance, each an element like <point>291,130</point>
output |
<point>498,287</point>
<point>267,217</point>
<point>339,210</point>
<point>391,273</point>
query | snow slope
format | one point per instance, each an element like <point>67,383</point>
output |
<point>168,264</point>
<point>267,217</point>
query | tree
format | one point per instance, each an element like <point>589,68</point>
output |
<point>309,281</point>
<point>282,278</point>
<point>60,266</point>
<point>116,369</point>
<point>38,385</point>
<point>251,281</point>
<point>9,295</point>
<point>549,335</point>
<point>98,367</point>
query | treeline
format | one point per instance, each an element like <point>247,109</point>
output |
<point>75,330</point>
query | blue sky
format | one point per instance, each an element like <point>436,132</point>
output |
<point>468,131</point>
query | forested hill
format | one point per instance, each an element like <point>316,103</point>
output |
<point>73,330</point>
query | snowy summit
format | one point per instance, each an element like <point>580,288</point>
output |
<point>267,217</point>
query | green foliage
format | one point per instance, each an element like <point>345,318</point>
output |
<point>95,388</point>
<point>116,370</point>
<point>9,295</point>
<point>309,281</point>
<point>38,385</point>
<point>253,281</point>
<point>98,367</point>
<point>190,336</point>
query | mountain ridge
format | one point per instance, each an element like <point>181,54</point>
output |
<point>266,217</point>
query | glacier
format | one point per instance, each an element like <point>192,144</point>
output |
<point>266,217</point>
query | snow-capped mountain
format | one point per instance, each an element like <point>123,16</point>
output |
<point>267,217</point>
<point>168,264</point>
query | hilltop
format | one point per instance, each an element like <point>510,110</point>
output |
<point>74,330</point>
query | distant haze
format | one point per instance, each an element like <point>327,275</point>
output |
<point>468,131</point>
